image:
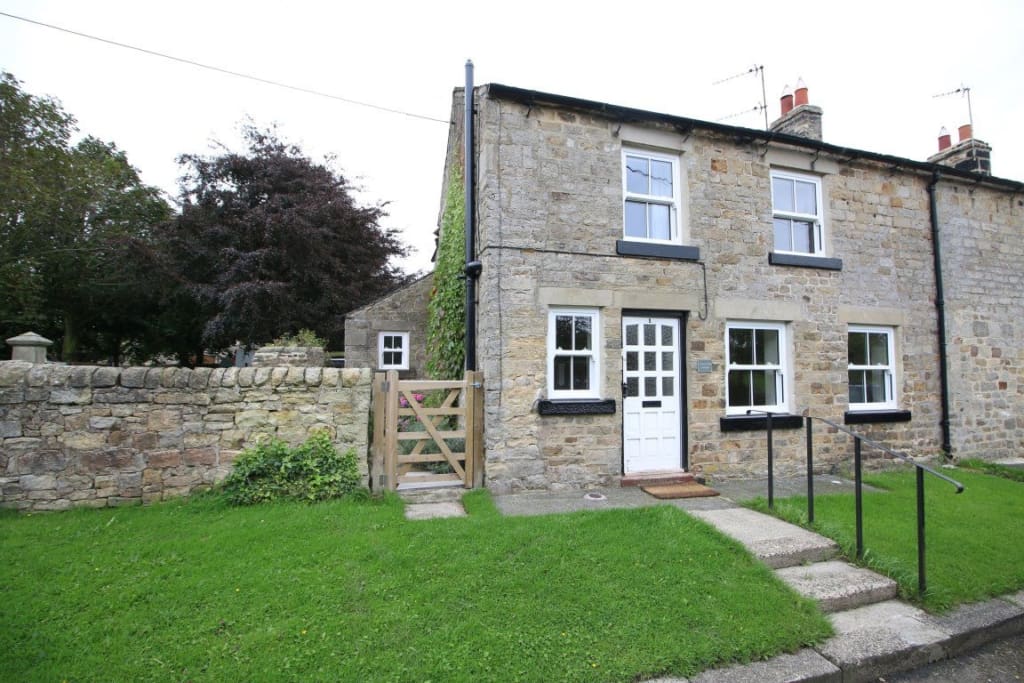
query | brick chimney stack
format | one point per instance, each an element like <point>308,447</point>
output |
<point>798,116</point>
<point>968,154</point>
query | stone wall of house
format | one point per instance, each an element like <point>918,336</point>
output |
<point>982,241</point>
<point>104,436</point>
<point>549,214</point>
<point>404,310</point>
<point>290,356</point>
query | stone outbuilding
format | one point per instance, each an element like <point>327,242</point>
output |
<point>391,332</point>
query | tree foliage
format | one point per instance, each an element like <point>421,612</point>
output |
<point>71,219</point>
<point>269,242</point>
<point>446,323</point>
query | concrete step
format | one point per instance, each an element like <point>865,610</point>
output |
<point>774,542</point>
<point>432,494</point>
<point>837,585</point>
<point>655,478</point>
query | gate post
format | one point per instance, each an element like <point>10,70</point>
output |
<point>391,430</point>
<point>474,381</point>
<point>378,473</point>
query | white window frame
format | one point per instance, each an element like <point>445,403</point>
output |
<point>673,202</point>
<point>818,219</point>
<point>890,401</point>
<point>404,365</point>
<point>782,378</point>
<point>593,353</point>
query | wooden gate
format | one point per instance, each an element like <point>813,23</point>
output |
<point>427,433</point>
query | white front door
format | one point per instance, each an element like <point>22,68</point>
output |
<point>651,404</point>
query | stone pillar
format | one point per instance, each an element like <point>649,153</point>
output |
<point>29,346</point>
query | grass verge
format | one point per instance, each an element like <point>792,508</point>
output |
<point>973,540</point>
<point>1013,473</point>
<point>347,590</point>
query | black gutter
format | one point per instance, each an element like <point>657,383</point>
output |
<point>631,115</point>
<point>473,266</point>
<point>940,314</point>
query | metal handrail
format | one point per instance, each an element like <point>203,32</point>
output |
<point>858,439</point>
<point>875,444</point>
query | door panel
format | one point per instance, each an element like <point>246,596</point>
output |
<point>651,406</point>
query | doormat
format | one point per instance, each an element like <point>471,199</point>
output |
<point>688,490</point>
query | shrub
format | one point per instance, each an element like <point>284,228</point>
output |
<point>271,470</point>
<point>303,337</point>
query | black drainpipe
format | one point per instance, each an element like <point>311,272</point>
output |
<point>940,309</point>
<point>473,266</point>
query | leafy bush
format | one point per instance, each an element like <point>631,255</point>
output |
<point>303,337</point>
<point>271,470</point>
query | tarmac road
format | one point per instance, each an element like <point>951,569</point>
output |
<point>999,662</point>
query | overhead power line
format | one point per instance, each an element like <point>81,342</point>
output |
<point>228,72</point>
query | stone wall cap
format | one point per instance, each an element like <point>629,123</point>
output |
<point>29,339</point>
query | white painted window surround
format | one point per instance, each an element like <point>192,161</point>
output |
<point>798,219</point>
<point>651,191</point>
<point>393,351</point>
<point>757,367</point>
<point>574,353</point>
<point>872,367</point>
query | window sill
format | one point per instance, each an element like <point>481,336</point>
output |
<point>751,423</point>
<point>860,417</point>
<point>594,406</point>
<point>671,251</point>
<point>800,261</point>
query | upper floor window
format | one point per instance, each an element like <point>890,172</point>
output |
<point>650,190</point>
<point>756,367</point>
<point>871,368</point>
<point>573,353</point>
<point>797,213</point>
<point>393,351</point>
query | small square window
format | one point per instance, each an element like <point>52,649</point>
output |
<point>573,353</point>
<point>650,190</point>
<point>797,215</point>
<point>393,351</point>
<point>872,368</point>
<point>756,367</point>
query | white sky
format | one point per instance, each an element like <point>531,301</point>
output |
<point>872,66</point>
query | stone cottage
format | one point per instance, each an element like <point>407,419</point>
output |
<point>652,284</point>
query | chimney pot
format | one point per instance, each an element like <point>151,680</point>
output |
<point>944,140</point>
<point>800,96</point>
<point>786,103</point>
<point>965,132</point>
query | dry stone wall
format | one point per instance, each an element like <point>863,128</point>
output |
<point>105,436</point>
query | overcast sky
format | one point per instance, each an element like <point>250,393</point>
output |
<point>874,67</point>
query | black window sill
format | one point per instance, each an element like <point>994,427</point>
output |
<point>759,423</point>
<point>672,251</point>
<point>799,261</point>
<point>861,417</point>
<point>570,407</point>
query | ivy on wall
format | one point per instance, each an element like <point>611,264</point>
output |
<point>446,324</point>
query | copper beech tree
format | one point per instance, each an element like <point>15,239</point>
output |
<point>268,242</point>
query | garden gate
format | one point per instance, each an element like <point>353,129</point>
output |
<point>427,433</point>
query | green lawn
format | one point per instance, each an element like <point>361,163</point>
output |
<point>974,540</point>
<point>351,591</point>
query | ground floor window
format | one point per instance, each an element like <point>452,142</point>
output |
<point>573,353</point>
<point>756,367</point>
<point>872,369</point>
<point>393,351</point>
